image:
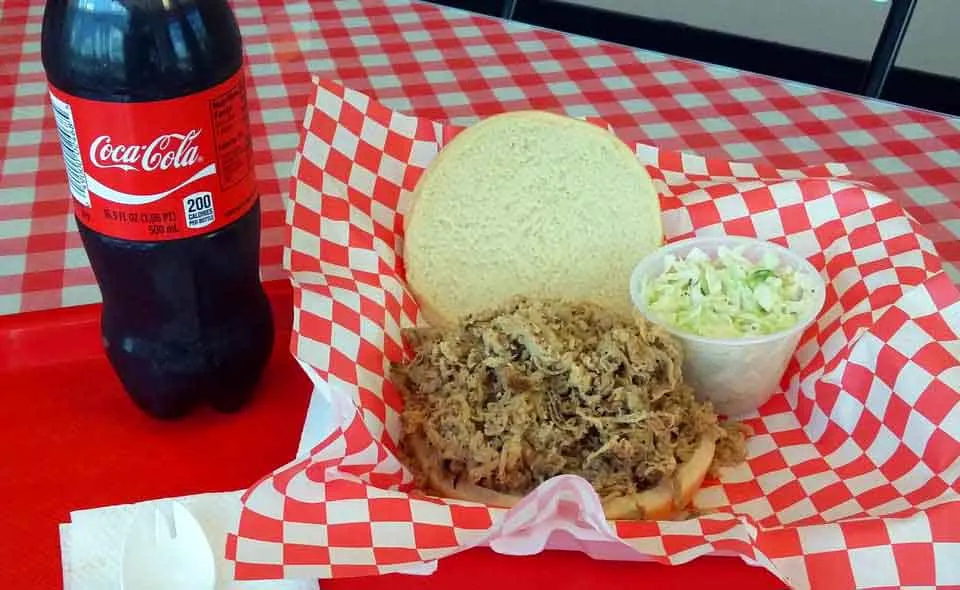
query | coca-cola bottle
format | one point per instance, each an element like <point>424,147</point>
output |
<point>151,110</point>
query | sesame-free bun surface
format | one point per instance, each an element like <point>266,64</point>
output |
<point>528,203</point>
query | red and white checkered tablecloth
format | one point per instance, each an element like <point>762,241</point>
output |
<point>451,65</point>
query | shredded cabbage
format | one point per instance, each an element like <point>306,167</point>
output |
<point>728,297</point>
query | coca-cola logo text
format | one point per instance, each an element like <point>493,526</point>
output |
<point>173,150</point>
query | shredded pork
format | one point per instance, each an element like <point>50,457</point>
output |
<point>534,389</point>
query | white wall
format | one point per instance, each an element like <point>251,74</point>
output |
<point>844,27</point>
<point>933,42</point>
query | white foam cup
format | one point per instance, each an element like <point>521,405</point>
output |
<point>737,375</point>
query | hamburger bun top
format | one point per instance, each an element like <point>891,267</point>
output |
<point>529,204</point>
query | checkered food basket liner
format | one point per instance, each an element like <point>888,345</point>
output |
<point>851,479</point>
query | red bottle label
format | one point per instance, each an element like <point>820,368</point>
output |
<point>162,170</point>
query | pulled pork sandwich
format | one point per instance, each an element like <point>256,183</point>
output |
<point>513,396</point>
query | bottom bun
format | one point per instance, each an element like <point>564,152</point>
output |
<point>663,502</point>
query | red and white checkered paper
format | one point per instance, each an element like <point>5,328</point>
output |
<point>851,479</point>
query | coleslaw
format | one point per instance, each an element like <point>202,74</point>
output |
<point>729,296</point>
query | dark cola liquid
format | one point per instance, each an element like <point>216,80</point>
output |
<point>185,320</point>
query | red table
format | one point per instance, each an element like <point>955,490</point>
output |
<point>71,440</point>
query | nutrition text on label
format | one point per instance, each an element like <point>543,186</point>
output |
<point>233,143</point>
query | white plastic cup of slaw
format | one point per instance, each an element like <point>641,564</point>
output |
<point>738,375</point>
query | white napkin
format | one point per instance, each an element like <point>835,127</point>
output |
<point>91,545</point>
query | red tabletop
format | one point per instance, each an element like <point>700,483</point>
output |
<point>71,440</point>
